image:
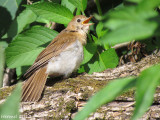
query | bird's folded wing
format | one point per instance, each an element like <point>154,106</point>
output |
<point>52,50</point>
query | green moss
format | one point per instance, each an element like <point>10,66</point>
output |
<point>85,96</point>
<point>74,84</point>
<point>129,93</point>
<point>70,105</point>
<point>4,92</point>
<point>61,104</point>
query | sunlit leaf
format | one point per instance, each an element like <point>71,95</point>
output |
<point>89,51</point>
<point>52,12</point>
<point>24,49</point>
<point>146,85</point>
<point>80,4</point>
<point>68,5</point>
<point>102,61</point>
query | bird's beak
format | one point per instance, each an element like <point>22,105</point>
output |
<point>86,22</point>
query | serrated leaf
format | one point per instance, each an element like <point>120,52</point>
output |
<point>105,95</point>
<point>10,108</point>
<point>24,49</point>
<point>68,5</point>
<point>80,4</point>
<point>52,12</point>
<point>146,86</point>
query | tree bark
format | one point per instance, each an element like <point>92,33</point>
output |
<point>64,98</point>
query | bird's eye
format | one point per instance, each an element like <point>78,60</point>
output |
<point>78,20</point>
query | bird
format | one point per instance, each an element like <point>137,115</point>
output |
<point>61,57</point>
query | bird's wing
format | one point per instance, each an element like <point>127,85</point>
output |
<point>52,50</point>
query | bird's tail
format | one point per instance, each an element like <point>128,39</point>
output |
<point>34,85</point>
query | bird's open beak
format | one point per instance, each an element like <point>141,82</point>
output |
<point>86,22</point>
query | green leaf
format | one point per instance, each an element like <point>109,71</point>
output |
<point>24,49</point>
<point>109,58</point>
<point>68,5</point>
<point>78,12</point>
<point>11,6</point>
<point>4,44</point>
<point>8,9</point>
<point>42,20</point>
<point>128,15</point>
<point>105,95</point>
<point>135,1</point>
<point>89,51</point>
<point>133,31</point>
<point>21,71</point>
<point>80,4</point>
<point>148,5</point>
<point>84,4</point>
<point>99,29</point>
<point>146,85</point>
<point>94,65</point>
<point>52,12</point>
<point>10,108</point>
<point>102,61</point>
<point>135,22</point>
<point>25,17</point>
<point>94,38</point>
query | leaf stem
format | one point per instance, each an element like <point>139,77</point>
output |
<point>98,7</point>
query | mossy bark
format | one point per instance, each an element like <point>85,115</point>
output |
<point>64,98</point>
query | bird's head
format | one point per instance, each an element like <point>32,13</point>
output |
<point>80,23</point>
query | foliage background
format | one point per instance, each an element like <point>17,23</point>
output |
<point>24,35</point>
